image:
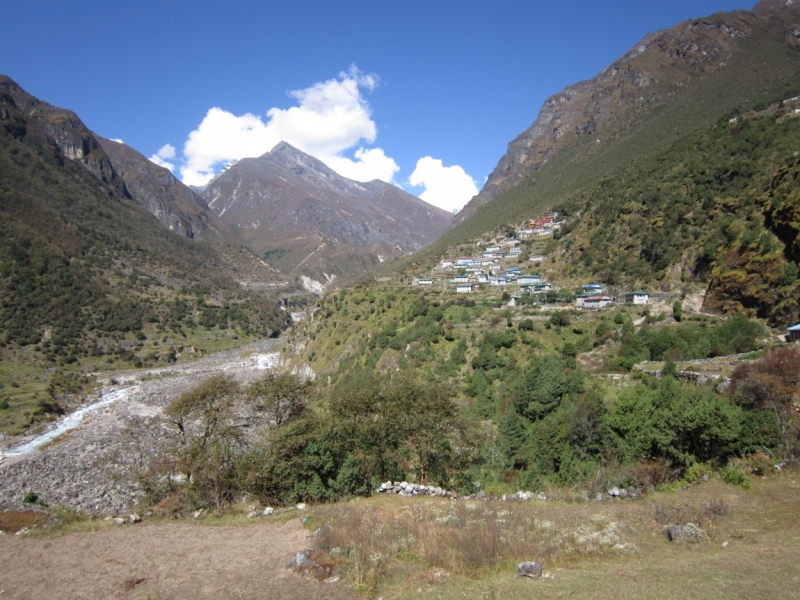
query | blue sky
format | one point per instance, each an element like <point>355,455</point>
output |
<point>378,86</point>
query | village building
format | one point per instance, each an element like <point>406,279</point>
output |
<point>464,260</point>
<point>595,288</point>
<point>416,281</point>
<point>498,281</point>
<point>793,333</point>
<point>461,279</point>
<point>530,279</point>
<point>515,251</point>
<point>637,297</point>
<point>447,262</point>
<point>466,288</point>
<point>595,302</point>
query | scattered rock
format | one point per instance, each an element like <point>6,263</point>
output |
<point>301,560</point>
<point>198,513</point>
<point>254,513</point>
<point>268,511</point>
<point>529,569</point>
<point>119,521</point>
<point>301,506</point>
<point>689,533</point>
<point>134,518</point>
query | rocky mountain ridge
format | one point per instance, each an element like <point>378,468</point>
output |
<point>295,209</point>
<point>128,172</point>
<point>649,75</point>
<point>288,189</point>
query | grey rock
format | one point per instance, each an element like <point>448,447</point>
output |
<point>529,569</point>
<point>689,533</point>
<point>300,560</point>
<point>480,495</point>
<point>598,498</point>
<point>268,511</point>
<point>119,521</point>
<point>134,518</point>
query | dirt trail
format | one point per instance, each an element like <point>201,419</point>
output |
<point>168,560</point>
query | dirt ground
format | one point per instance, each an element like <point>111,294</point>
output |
<point>161,560</point>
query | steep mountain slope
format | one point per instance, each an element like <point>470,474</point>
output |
<point>85,270</point>
<point>704,66</point>
<point>309,220</point>
<point>165,197</point>
<point>696,191</point>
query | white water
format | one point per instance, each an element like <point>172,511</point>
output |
<point>66,423</point>
<point>266,361</point>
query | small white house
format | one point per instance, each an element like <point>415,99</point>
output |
<point>637,297</point>
<point>537,258</point>
<point>793,333</point>
<point>465,288</point>
<point>461,279</point>
<point>529,279</point>
<point>422,281</point>
<point>515,251</point>
<point>595,302</point>
<point>492,249</point>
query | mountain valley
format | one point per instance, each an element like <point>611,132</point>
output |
<point>594,365</point>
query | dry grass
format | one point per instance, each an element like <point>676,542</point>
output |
<point>467,538</point>
<point>456,549</point>
<point>11,521</point>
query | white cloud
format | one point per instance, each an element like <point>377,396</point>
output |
<point>166,152</point>
<point>331,117</point>
<point>446,187</point>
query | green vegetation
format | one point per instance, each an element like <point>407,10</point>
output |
<point>717,205</point>
<point>89,280</point>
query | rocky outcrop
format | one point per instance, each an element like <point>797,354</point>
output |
<point>155,189</point>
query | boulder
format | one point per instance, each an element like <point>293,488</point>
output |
<point>529,569</point>
<point>268,511</point>
<point>689,533</point>
<point>300,560</point>
<point>134,518</point>
<point>119,521</point>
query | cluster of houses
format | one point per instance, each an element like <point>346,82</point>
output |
<point>540,227</point>
<point>485,268</point>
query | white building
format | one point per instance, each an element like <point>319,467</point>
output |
<point>637,297</point>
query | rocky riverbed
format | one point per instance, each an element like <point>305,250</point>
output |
<point>95,465</point>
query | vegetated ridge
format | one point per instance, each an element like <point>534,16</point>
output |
<point>756,67</point>
<point>308,220</point>
<point>88,277</point>
<point>701,60</point>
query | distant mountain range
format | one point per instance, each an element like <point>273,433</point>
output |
<point>308,220</point>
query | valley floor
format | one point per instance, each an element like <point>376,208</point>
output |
<point>161,560</point>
